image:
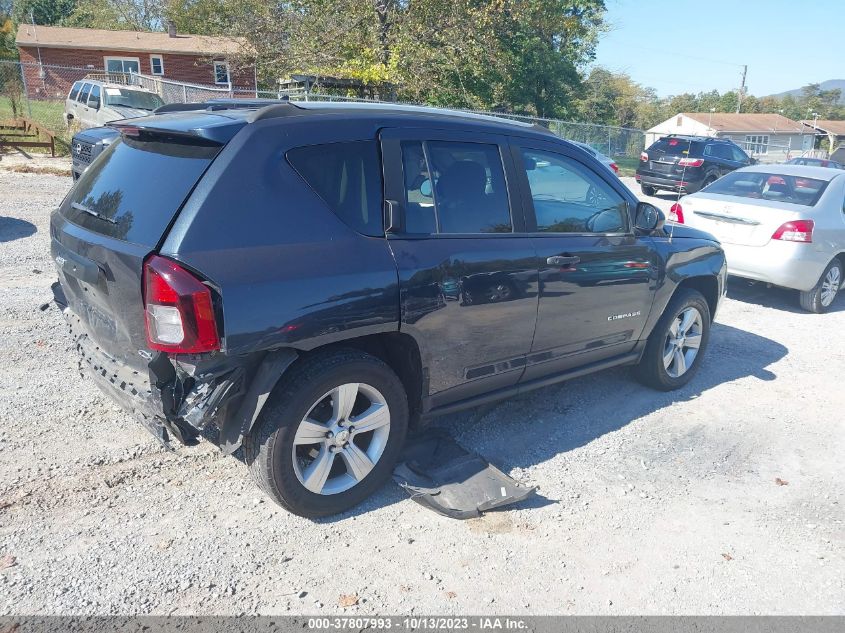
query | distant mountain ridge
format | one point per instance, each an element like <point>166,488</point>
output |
<point>830,84</point>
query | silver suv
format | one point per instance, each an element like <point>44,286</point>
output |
<point>93,102</point>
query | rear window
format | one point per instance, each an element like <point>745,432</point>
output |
<point>75,90</point>
<point>347,176</point>
<point>770,186</point>
<point>134,189</point>
<point>677,147</point>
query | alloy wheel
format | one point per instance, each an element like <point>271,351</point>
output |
<point>830,285</point>
<point>682,342</point>
<point>341,438</point>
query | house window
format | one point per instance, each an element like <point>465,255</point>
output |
<point>157,64</point>
<point>757,143</point>
<point>221,73</point>
<point>123,65</point>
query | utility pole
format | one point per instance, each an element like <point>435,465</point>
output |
<point>741,89</point>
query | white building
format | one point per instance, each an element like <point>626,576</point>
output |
<point>769,138</point>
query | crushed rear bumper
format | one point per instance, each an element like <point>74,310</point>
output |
<point>128,388</point>
<point>215,395</point>
<point>166,404</point>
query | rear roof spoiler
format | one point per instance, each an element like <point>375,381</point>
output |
<point>208,134</point>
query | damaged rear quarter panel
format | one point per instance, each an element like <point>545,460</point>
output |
<point>285,285</point>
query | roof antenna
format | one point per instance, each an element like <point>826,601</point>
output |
<point>683,179</point>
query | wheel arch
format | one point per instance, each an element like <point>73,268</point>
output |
<point>398,350</point>
<point>707,285</point>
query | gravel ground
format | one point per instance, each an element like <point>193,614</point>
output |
<point>723,498</point>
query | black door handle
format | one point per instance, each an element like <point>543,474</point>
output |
<point>563,260</point>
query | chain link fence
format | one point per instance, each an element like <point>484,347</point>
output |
<point>38,91</point>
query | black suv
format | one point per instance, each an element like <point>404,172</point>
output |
<point>309,281</point>
<point>687,163</point>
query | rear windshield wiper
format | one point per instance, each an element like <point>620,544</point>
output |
<point>90,211</point>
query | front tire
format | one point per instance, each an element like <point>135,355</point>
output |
<point>677,344</point>
<point>821,296</point>
<point>648,191</point>
<point>330,433</point>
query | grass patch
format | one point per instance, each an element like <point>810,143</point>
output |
<point>37,169</point>
<point>48,114</point>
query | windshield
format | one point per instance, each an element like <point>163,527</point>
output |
<point>132,99</point>
<point>769,186</point>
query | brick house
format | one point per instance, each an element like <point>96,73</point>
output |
<point>54,57</point>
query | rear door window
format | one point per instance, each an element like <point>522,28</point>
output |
<point>722,152</point>
<point>135,189</point>
<point>455,187</point>
<point>347,176</point>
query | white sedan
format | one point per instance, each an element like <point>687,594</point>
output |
<point>780,224</point>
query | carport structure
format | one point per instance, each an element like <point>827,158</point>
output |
<point>835,131</point>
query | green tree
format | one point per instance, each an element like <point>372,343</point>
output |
<point>46,12</point>
<point>138,15</point>
<point>517,55</point>
<point>8,51</point>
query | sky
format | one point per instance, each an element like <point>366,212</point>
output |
<point>677,46</point>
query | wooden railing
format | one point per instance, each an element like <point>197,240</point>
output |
<point>24,132</point>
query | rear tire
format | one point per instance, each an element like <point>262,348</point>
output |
<point>671,358</point>
<point>285,450</point>
<point>647,190</point>
<point>823,294</point>
<point>708,181</point>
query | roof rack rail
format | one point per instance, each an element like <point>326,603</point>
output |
<point>274,111</point>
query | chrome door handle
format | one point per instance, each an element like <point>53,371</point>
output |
<point>563,260</point>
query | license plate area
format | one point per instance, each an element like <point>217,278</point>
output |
<point>726,231</point>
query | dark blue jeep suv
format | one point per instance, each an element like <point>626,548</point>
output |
<point>309,281</point>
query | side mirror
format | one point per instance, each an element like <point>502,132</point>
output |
<point>648,218</point>
<point>94,103</point>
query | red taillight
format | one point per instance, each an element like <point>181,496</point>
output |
<point>676,213</point>
<point>644,156</point>
<point>691,162</point>
<point>614,168</point>
<point>128,130</point>
<point>795,231</point>
<point>178,310</point>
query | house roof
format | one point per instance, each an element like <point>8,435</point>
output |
<point>138,41</point>
<point>748,122</point>
<point>832,127</point>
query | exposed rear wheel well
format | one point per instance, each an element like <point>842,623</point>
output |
<point>401,353</point>
<point>708,286</point>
